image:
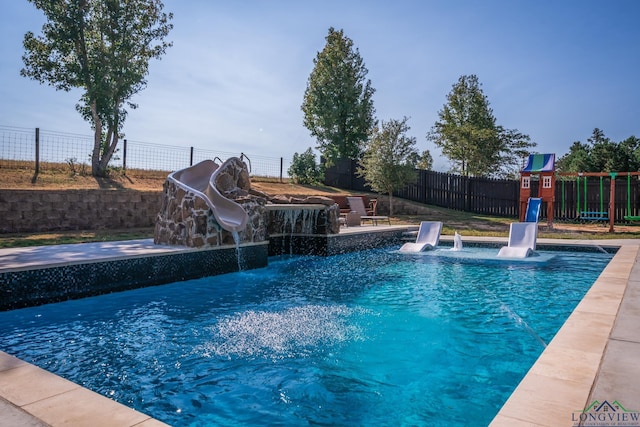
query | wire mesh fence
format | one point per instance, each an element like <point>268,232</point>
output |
<point>16,144</point>
<point>39,149</point>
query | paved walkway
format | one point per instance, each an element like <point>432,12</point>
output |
<point>55,255</point>
<point>593,357</point>
<point>49,256</point>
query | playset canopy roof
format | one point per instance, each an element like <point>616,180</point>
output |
<point>540,163</point>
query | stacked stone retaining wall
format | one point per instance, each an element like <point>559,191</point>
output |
<point>52,210</point>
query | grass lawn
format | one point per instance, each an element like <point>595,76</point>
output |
<point>465,223</point>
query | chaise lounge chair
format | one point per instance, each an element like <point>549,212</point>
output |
<point>357,205</point>
<point>522,240</point>
<point>428,237</point>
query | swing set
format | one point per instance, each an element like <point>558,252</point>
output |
<point>629,217</point>
<point>608,214</point>
<point>543,165</point>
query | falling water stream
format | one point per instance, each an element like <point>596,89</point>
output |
<point>236,239</point>
<point>307,218</point>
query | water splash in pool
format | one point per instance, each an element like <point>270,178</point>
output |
<point>457,242</point>
<point>293,332</point>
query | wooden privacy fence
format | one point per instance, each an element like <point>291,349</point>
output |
<point>500,197</point>
<point>478,195</point>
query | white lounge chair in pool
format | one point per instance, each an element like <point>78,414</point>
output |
<point>428,237</point>
<point>522,240</point>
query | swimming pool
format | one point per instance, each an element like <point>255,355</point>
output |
<point>367,338</point>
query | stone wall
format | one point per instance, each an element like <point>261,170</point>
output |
<point>53,210</point>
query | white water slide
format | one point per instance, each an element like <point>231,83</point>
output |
<point>200,180</point>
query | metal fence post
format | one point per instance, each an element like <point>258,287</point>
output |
<point>191,158</point>
<point>124,156</point>
<point>35,175</point>
<point>281,165</point>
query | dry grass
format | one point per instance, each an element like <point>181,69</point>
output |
<point>19,175</point>
<point>56,176</point>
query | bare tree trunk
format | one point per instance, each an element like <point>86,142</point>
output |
<point>104,153</point>
<point>390,203</point>
<point>112,142</point>
<point>96,170</point>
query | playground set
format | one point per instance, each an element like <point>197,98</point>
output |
<point>543,165</point>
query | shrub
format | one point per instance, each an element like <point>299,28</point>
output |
<point>304,169</point>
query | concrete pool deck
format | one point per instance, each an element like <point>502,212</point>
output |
<point>594,356</point>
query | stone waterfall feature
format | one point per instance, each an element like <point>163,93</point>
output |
<point>186,218</point>
<point>310,215</point>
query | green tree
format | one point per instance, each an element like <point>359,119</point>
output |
<point>338,106</point>
<point>516,148</point>
<point>388,163</point>
<point>576,160</point>
<point>304,169</point>
<point>424,161</point>
<point>104,48</point>
<point>601,154</point>
<point>467,133</point>
<point>629,150</point>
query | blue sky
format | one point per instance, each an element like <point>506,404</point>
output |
<point>235,78</point>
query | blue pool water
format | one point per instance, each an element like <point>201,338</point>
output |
<point>368,338</point>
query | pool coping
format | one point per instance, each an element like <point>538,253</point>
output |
<point>591,361</point>
<point>590,358</point>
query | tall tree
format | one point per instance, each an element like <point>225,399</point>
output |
<point>104,48</point>
<point>338,106</point>
<point>601,154</point>
<point>467,133</point>
<point>576,160</point>
<point>389,161</point>
<point>629,150</point>
<point>423,161</point>
<point>516,148</point>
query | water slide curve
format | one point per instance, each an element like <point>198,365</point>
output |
<point>533,209</point>
<point>200,179</point>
